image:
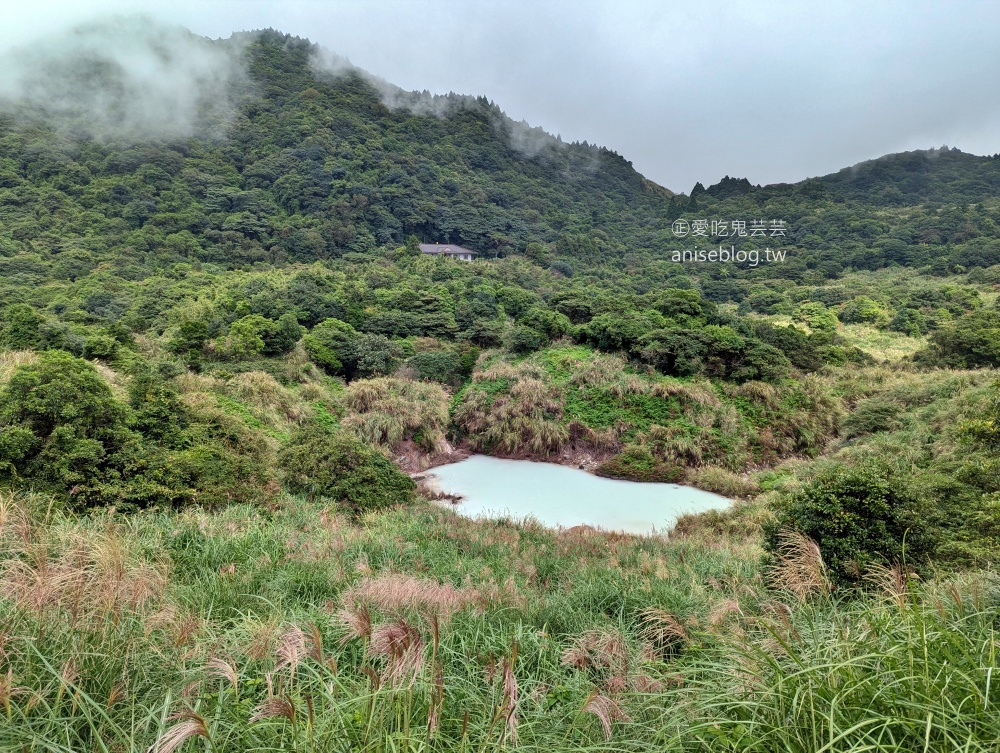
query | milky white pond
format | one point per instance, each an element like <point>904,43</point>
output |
<point>556,495</point>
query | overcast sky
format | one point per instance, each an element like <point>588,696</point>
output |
<point>688,91</point>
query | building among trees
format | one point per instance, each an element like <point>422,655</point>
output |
<point>455,252</point>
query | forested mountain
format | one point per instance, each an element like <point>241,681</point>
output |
<point>318,159</point>
<point>312,166</point>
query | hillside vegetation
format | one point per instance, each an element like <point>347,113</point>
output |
<point>222,354</point>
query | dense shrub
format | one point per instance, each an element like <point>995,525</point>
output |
<point>436,365</point>
<point>870,416</point>
<point>329,345</point>
<point>524,339</point>
<point>20,327</point>
<point>858,516</point>
<point>862,310</point>
<point>372,355</point>
<point>637,463</point>
<point>971,341</point>
<point>336,466</point>
<point>253,335</point>
<point>817,316</point>
<point>909,321</point>
<point>62,429</point>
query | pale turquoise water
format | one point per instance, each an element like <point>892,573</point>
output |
<point>556,495</point>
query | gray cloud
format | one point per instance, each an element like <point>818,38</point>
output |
<point>129,77</point>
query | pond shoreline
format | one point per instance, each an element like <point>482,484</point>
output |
<point>559,496</point>
<point>414,460</point>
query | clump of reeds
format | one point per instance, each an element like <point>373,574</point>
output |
<point>86,577</point>
<point>697,393</point>
<point>606,709</point>
<point>386,410</point>
<point>799,566</point>
<point>524,415</point>
<point>267,399</point>
<point>398,593</point>
<point>721,481</point>
<point>607,650</point>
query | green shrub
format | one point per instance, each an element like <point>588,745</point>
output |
<point>857,515</point>
<point>871,416</point>
<point>909,321</point>
<point>372,355</point>
<point>436,365</point>
<point>20,327</point>
<point>525,339</point>
<point>637,463</point>
<point>328,344</point>
<point>190,336</point>
<point>61,429</point>
<point>863,310</point>
<point>817,316</point>
<point>969,342</point>
<point>334,465</point>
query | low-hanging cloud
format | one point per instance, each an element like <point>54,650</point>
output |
<point>522,137</point>
<point>126,77</point>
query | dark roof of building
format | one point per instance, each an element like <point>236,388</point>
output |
<point>449,249</point>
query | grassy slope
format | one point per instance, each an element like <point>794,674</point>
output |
<point>468,633</point>
<point>422,630</point>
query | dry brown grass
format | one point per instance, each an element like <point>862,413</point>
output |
<point>662,630</point>
<point>799,568</point>
<point>11,360</point>
<point>676,444</point>
<point>85,576</point>
<point>597,371</point>
<point>698,393</point>
<point>720,481</point>
<point>387,410</point>
<point>892,581</point>
<point>401,647</point>
<point>609,373</point>
<point>189,725</point>
<point>298,367</point>
<point>604,649</point>
<point>189,382</point>
<point>524,418</point>
<point>270,402</point>
<point>510,697</point>
<point>757,392</point>
<point>117,382</point>
<point>606,709</point>
<point>398,594</point>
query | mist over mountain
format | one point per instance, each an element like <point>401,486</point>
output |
<point>127,77</point>
<point>265,146</point>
